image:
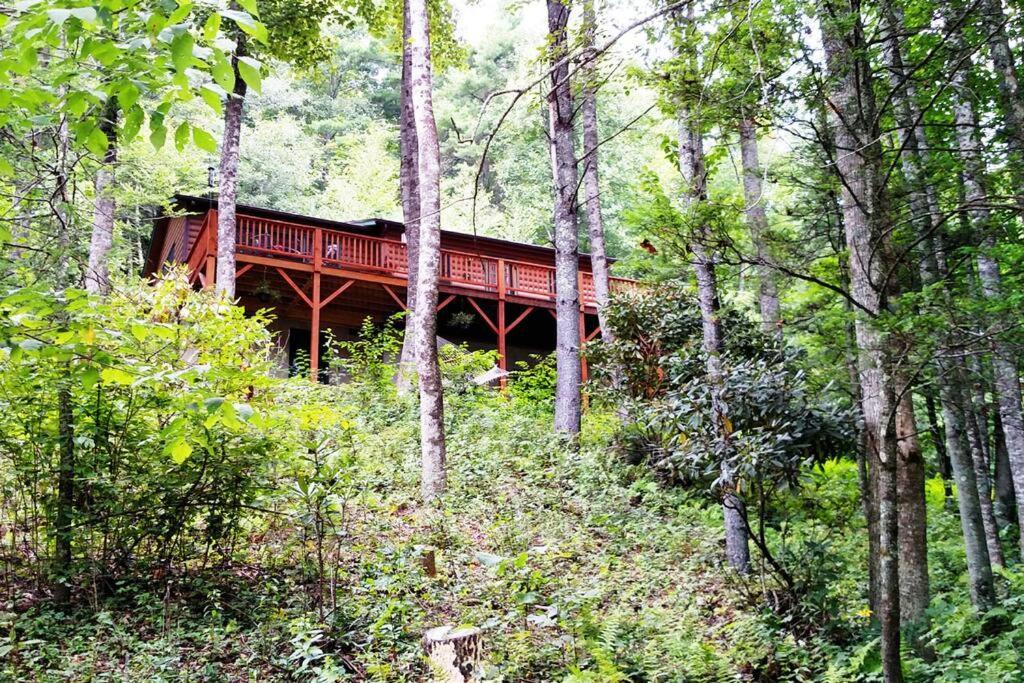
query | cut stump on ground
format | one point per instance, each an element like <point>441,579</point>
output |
<point>454,653</point>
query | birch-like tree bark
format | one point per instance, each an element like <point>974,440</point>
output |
<point>867,224</point>
<point>693,169</point>
<point>1005,504</point>
<point>408,178</point>
<point>227,197</point>
<point>1010,96</point>
<point>1004,363</point>
<point>97,274</point>
<point>566,224</point>
<point>432,442</point>
<point>757,224</point>
<point>591,184</point>
<point>979,567</point>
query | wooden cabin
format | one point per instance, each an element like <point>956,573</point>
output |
<point>318,274</point>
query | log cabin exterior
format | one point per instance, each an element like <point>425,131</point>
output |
<point>318,274</point>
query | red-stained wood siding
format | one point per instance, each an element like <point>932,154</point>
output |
<point>176,240</point>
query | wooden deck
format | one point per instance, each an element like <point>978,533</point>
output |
<point>292,246</point>
<point>310,253</point>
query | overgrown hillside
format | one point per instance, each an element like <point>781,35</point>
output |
<point>578,565</point>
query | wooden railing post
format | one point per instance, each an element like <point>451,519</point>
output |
<point>502,353</point>
<point>211,248</point>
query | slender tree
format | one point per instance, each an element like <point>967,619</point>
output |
<point>591,183</point>
<point>432,441</point>
<point>757,224</point>
<point>408,178</point>
<point>867,226</point>
<point>1004,363</point>
<point>566,224</point>
<point>693,168</point>
<point>97,274</point>
<point>227,196</point>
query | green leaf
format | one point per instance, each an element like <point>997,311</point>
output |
<point>213,98</point>
<point>252,27</point>
<point>204,140</point>
<point>181,50</point>
<point>158,135</point>
<point>179,450</point>
<point>116,376</point>
<point>222,72</point>
<point>249,69</point>
<point>76,103</point>
<point>249,6</point>
<point>127,95</point>
<point>97,142</point>
<point>90,376</point>
<point>132,123</point>
<point>6,170</point>
<point>211,27</point>
<point>181,136</point>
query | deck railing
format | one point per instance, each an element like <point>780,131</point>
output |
<point>348,251</point>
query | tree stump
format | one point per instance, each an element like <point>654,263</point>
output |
<point>454,653</point>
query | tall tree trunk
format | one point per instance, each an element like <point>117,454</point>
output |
<point>1007,382</point>
<point>228,196</point>
<point>97,274</point>
<point>563,164</point>
<point>868,227</point>
<point>408,178</point>
<point>984,483</point>
<point>913,528</point>
<point>757,224</point>
<point>1005,496</point>
<point>432,442</point>
<point>591,184</point>
<point>1004,361</point>
<point>693,169</point>
<point>979,568</point>
<point>913,521</point>
<point>1010,96</point>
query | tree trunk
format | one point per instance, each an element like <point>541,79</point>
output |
<point>913,518</point>
<point>694,172</point>
<point>1004,362</point>
<point>757,224</point>
<point>868,227</point>
<point>979,568</point>
<point>913,527</point>
<point>1005,497</point>
<point>227,196</point>
<point>1010,100</point>
<point>410,206</point>
<point>984,483</point>
<point>591,184</point>
<point>432,442</point>
<point>97,274</point>
<point>1007,382</point>
<point>563,164</point>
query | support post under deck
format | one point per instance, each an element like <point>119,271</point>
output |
<point>314,326</point>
